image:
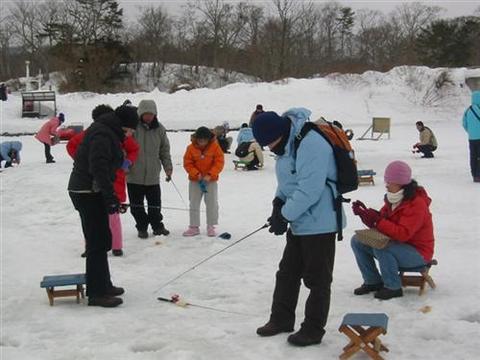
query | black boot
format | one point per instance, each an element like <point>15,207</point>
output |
<point>270,329</point>
<point>104,301</point>
<point>387,294</point>
<point>161,231</point>
<point>143,234</point>
<point>117,252</point>
<point>367,288</point>
<point>304,338</point>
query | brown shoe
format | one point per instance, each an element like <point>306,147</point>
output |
<point>271,329</point>
<point>104,301</point>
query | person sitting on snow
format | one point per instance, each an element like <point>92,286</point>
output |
<point>428,142</point>
<point>10,153</point>
<point>248,150</point>
<point>406,219</point>
<point>224,141</point>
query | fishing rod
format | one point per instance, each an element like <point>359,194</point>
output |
<point>211,256</point>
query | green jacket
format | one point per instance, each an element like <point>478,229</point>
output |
<point>154,152</point>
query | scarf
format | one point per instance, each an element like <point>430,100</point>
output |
<point>395,198</point>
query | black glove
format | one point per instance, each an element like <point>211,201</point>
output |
<point>278,224</point>
<point>113,206</point>
<point>277,206</point>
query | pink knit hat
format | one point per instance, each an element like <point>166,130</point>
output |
<point>398,172</point>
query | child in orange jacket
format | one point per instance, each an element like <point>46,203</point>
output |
<point>203,161</point>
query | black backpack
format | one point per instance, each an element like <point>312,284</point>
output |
<point>347,175</point>
<point>242,149</point>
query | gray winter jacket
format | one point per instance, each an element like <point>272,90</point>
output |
<point>154,149</point>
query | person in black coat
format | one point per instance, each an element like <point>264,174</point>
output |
<point>91,190</point>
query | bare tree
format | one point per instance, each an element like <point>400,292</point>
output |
<point>409,18</point>
<point>329,26</point>
<point>216,15</point>
<point>369,35</point>
<point>6,33</point>
<point>26,25</point>
<point>289,13</point>
<point>155,31</point>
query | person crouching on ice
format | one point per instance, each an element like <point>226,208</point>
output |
<point>203,161</point>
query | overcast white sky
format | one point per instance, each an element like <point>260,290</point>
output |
<point>452,8</point>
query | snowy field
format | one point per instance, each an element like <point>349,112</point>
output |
<point>41,235</point>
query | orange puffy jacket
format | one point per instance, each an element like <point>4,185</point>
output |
<point>201,162</point>
<point>410,223</point>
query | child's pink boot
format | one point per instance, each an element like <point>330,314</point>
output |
<point>191,231</point>
<point>211,230</point>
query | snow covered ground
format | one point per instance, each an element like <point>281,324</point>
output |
<point>41,235</point>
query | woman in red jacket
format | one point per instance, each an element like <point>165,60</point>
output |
<point>130,149</point>
<point>406,219</point>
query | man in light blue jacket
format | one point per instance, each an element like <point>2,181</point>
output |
<point>471,124</point>
<point>245,134</point>
<point>304,203</point>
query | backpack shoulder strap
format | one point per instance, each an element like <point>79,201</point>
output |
<point>303,132</point>
<point>305,129</point>
<point>475,113</point>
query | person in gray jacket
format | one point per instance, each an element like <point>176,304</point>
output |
<point>143,179</point>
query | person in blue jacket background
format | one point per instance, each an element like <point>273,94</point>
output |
<point>471,124</point>
<point>245,134</point>
<point>303,203</point>
<point>10,152</point>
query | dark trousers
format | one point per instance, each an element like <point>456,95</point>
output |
<point>427,150</point>
<point>311,258</point>
<point>252,165</point>
<point>98,240</point>
<point>474,146</point>
<point>153,216</point>
<point>48,154</point>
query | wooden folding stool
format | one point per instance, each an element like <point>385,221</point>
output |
<point>366,177</point>
<point>363,331</point>
<point>418,280</point>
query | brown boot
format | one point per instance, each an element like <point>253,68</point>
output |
<point>270,329</point>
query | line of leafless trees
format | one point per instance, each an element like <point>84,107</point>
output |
<point>90,40</point>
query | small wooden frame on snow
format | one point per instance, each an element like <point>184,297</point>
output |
<point>32,103</point>
<point>380,126</point>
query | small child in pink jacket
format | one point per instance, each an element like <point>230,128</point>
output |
<point>47,133</point>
